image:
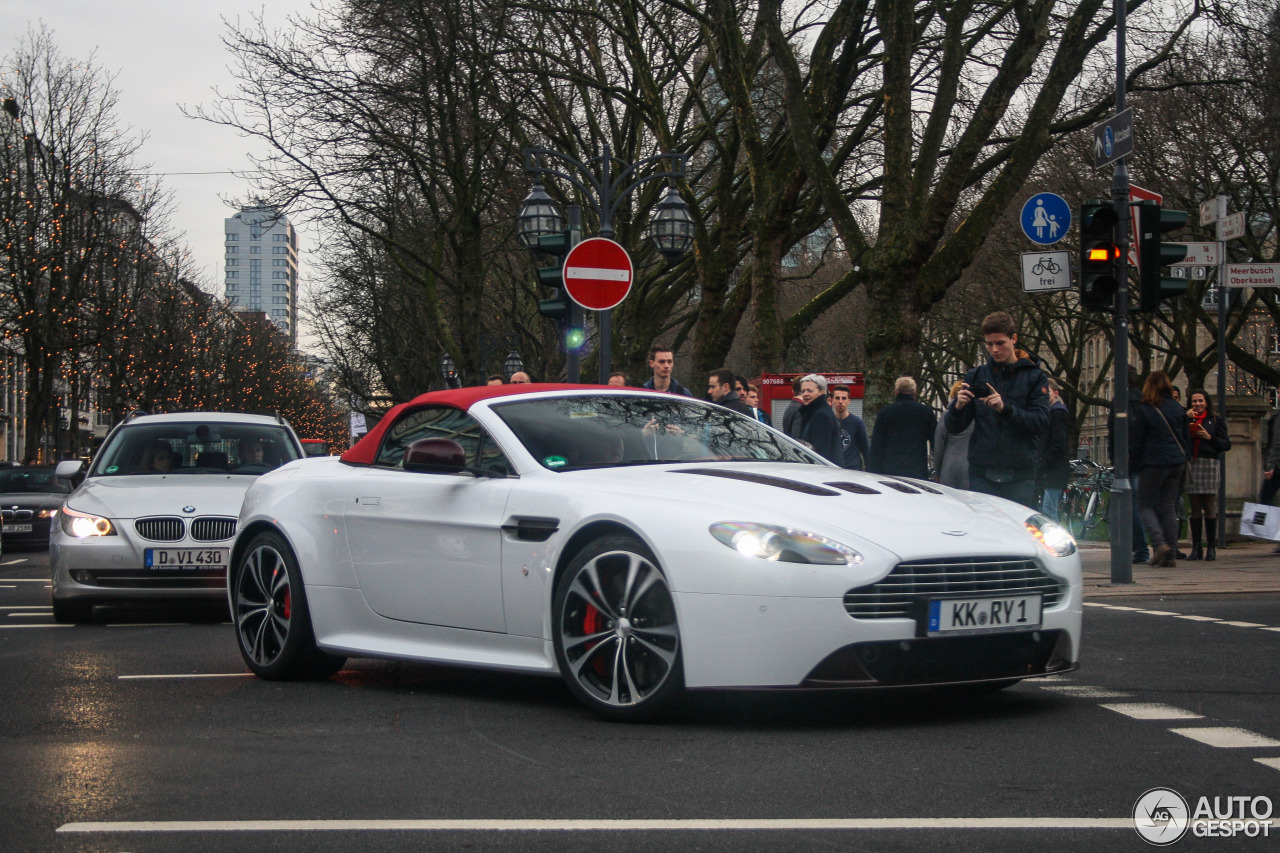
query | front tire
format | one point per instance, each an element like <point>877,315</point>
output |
<point>615,633</point>
<point>272,620</point>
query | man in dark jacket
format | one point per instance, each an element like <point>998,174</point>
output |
<point>815,423</point>
<point>662,361</point>
<point>1055,455</point>
<point>902,434</point>
<point>1007,400</point>
<point>720,390</point>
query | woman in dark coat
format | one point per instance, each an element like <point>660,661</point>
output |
<point>1158,442</point>
<point>1209,440</point>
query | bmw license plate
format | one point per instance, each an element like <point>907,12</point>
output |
<point>17,528</point>
<point>186,558</point>
<point>961,615</point>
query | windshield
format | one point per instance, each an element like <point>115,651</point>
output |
<point>194,447</point>
<point>568,433</point>
<point>38,480</point>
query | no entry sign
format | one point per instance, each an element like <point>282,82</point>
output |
<point>597,274</point>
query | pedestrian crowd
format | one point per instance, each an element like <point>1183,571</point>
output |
<point>1005,431</point>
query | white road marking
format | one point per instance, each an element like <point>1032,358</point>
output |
<point>14,562</point>
<point>1159,613</point>
<point>1271,629</point>
<point>1087,692</point>
<point>1099,604</point>
<point>43,615</point>
<point>51,625</point>
<point>26,607</point>
<point>1119,607</point>
<point>1125,823</point>
<point>1227,737</point>
<point>187,675</point>
<point>28,580</point>
<point>1152,711</point>
<point>1273,763</point>
<point>1194,618</point>
<point>1245,624</point>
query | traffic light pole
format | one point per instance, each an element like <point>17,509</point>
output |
<point>1121,521</point>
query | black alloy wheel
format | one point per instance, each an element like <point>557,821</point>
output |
<point>269,608</point>
<point>615,633</point>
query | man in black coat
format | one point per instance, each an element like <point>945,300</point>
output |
<point>815,423</point>
<point>1007,400</point>
<point>720,390</point>
<point>903,434</point>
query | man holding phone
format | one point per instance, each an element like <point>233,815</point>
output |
<point>1007,400</point>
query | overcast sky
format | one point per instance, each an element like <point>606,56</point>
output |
<point>166,53</point>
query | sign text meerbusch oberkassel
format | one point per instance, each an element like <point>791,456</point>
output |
<point>1252,275</point>
<point>597,274</point>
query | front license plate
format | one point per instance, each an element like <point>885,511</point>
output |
<point>958,615</point>
<point>186,558</point>
<point>17,528</point>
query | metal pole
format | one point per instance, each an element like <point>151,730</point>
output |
<point>1121,490</point>
<point>605,318</point>
<point>573,355</point>
<point>1222,392</point>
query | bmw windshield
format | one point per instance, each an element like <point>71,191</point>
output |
<point>195,448</point>
<point>569,433</point>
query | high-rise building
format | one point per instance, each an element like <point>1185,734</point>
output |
<point>262,266</point>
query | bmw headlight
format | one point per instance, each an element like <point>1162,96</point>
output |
<point>1056,539</point>
<point>82,525</point>
<point>783,544</point>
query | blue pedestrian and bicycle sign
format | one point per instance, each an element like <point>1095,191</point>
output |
<point>1046,218</point>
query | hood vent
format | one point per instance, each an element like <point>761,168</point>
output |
<point>854,488</point>
<point>763,480</point>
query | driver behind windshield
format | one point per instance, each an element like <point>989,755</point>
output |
<point>251,452</point>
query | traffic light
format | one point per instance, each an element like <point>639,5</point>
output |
<point>1154,254</point>
<point>556,306</point>
<point>1098,255</point>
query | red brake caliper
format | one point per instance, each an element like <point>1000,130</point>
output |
<point>592,622</point>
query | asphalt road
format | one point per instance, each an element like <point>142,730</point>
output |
<point>146,733</point>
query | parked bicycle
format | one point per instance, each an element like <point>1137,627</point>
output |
<point>1087,497</point>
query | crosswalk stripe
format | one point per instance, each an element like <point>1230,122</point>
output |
<point>1227,737</point>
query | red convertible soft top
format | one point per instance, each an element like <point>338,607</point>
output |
<point>365,450</point>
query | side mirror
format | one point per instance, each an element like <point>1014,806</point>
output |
<point>435,455</point>
<point>68,468</point>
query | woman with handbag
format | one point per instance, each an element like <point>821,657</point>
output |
<point>1158,441</point>
<point>1209,440</point>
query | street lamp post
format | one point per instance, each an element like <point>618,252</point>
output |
<point>670,229</point>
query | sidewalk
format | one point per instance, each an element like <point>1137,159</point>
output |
<point>1247,567</point>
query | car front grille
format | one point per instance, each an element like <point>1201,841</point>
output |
<point>160,528</point>
<point>906,589</point>
<point>213,529</point>
<point>17,514</point>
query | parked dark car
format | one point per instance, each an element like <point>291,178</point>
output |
<point>30,498</point>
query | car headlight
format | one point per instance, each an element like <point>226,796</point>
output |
<point>783,544</point>
<point>82,525</point>
<point>1056,539</point>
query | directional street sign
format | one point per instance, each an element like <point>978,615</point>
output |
<point>1046,218</point>
<point>1213,209</point>
<point>1200,255</point>
<point>1253,275</point>
<point>597,274</point>
<point>1231,227</point>
<point>1043,271</point>
<point>1113,139</point>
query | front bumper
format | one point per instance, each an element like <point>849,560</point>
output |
<point>113,568</point>
<point>762,642</point>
